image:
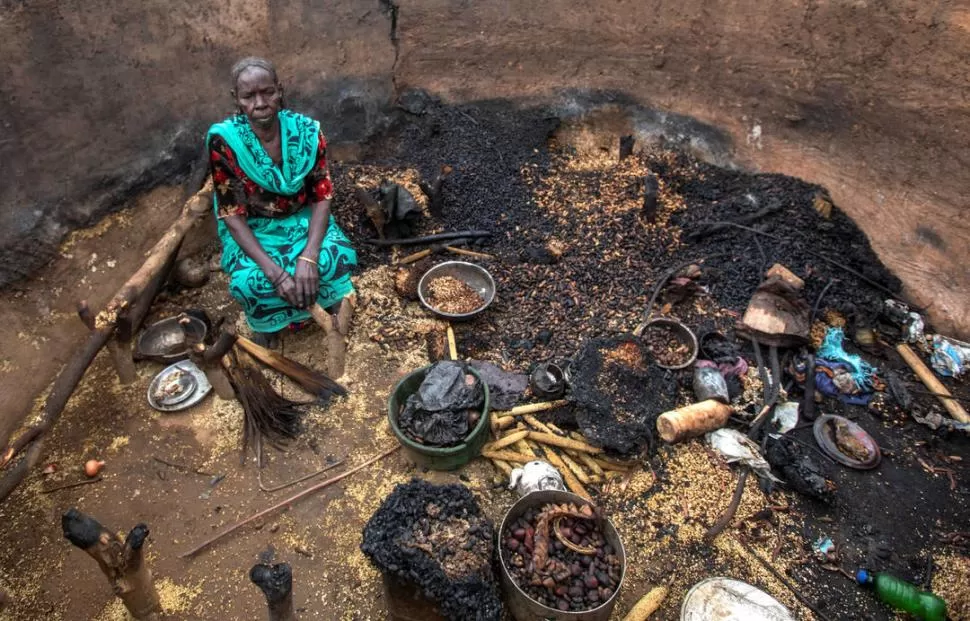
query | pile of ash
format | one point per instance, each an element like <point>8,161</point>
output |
<point>620,393</point>
<point>436,538</point>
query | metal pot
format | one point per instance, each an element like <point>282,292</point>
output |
<point>523,607</point>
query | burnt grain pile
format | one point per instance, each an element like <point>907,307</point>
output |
<point>437,538</point>
<point>577,257</point>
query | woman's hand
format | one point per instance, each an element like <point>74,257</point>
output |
<point>286,287</point>
<point>307,276</point>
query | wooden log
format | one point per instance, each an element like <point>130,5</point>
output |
<point>67,380</point>
<point>121,346</point>
<point>60,393</point>
<point>276,583</point>
<point>122,562</point>
<point>199,205</point>
<point>929,379</point>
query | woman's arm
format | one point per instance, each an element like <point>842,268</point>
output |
<point>319,190</point>
<point>231,196</point>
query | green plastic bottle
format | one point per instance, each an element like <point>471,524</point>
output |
<point>903,596</point>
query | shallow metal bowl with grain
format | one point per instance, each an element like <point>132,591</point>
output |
<point>474,276</point>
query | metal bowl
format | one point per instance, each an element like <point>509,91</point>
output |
<point>523,607</point>
<point>169,340</point>
<point>474,276</point>
<point>681,332</point>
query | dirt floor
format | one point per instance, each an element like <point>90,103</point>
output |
<point>895,518</point>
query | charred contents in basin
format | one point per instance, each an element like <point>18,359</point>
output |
<point>620,392</point>
<point>436,538</point>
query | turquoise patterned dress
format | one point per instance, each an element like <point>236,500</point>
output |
<point>276,201</point>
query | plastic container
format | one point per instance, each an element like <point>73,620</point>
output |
<point>436,458</point>
<point>524,608</point>
<point>904,596</point>
<point>710,384</point>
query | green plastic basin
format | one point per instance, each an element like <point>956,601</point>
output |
<point>436,458</point>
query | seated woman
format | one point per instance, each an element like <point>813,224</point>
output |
<point>286,257</point>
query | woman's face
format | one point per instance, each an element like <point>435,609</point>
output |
<point>258,95</point>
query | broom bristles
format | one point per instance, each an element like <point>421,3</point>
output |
<point>267,414</point>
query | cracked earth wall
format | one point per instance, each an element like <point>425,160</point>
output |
<point>102,100</point>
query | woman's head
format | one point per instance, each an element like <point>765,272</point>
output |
<point>257,90</point>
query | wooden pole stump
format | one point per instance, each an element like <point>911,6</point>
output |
<point>276,583</point>
<point>123,562</point>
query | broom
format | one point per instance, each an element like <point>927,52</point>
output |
<point>314,382</point>
<point>267,415</point>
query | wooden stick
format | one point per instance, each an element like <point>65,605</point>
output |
<point>647,605</point>
<point>532,408</point>
<point>310,490</point>
<point>452,343</point>
<point>732,508</point>
<point>781,578</point>
<point>568,443</point>
<point>524,448</point>
<point>929,380</point>
<point>508,440</point>
<point>214,372</point>
<point>577,470</point>
<point>503,422</point>
<point>121,344</point>
<point>510,456</point>
<point>416,256</point>
<point>536,424</point>
<point>571,481</point>
<point>588,461</point>
<point>470,253</point>
<point>504,466</point>
<point>123,562</point>
<point>276,583</point>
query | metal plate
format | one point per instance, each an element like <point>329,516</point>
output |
<point>824,430</point>
<point>196,387</point>
<point>726,599</point>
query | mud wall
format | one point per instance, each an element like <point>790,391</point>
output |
<point>103,99</point>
